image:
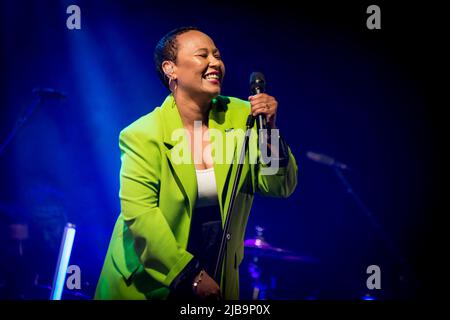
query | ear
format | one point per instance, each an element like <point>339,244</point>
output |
<point>168,68</point>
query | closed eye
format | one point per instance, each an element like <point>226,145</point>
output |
<point>217,56</point>
<point>205,55</point>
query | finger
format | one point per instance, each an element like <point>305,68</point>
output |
<point>262,108</point>
<point>257,96</point>
<point>270,103</point>
<point>262,111</point>
<point>264,104</point>
<point>260,100</point>
<point>261,97</point>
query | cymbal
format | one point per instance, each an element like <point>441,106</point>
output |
<point>260,248</point>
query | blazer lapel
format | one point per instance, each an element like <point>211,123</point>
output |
<point>220,120</point>
<point>184,170</point>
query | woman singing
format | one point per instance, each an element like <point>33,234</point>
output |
<point>176,179</point>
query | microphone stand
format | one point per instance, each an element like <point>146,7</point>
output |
<point>393,250</point>
<point>19,123</point>
<point>226,235</point>
<point>42,94</point>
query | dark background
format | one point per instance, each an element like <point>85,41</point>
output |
<point>366,97</point>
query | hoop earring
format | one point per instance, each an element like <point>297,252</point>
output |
<point>170,84</point>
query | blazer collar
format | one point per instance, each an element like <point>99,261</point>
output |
<point>220,120</point>
<point>172,119</point>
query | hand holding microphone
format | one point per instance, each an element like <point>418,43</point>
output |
<point>262,104</point>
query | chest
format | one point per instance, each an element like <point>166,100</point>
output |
<point>200,146</point>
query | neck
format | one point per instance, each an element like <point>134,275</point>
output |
<point>192,109</point>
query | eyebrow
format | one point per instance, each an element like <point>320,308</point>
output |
<point>206,49</point>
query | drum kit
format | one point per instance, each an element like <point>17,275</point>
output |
<point>260,251</point>
<point>261,256</point>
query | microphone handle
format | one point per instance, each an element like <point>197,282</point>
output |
<point>261,125</point>
<point>261,122</point>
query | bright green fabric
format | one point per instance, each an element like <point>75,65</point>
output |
<point>148,245</point>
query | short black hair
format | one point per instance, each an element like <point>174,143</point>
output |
<point>166,49</point>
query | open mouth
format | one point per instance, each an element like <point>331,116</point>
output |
<point>214,76</point>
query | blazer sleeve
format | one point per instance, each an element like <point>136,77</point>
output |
<point>154,241</point>
<point>279,182</point>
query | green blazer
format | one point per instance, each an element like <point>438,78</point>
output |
<point>158,194</point>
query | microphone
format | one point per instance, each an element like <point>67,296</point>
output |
<point>258,85</point>
<point>326,160</point>
<point>49,93</point>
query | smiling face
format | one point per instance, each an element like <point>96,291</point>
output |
<point>198,68</point>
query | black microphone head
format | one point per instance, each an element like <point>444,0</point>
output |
<point>257,83</point>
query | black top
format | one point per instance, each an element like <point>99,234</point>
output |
<point>205,236</point>
<point>204,243</point>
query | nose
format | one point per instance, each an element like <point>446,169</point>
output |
<point>213,61</point>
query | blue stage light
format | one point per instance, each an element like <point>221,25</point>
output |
<point>63,262</point>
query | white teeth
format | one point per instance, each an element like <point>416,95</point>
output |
<point>212,76</point>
